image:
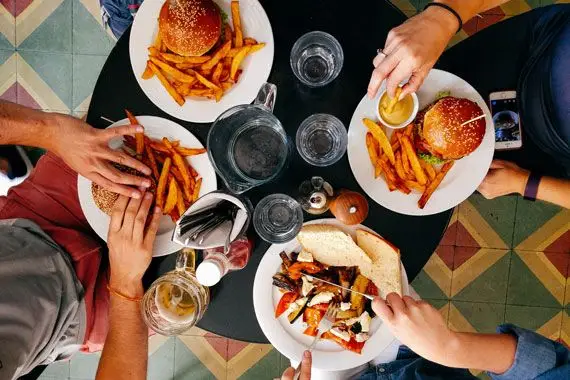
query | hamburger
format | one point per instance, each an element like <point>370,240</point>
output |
<point>440,135</point>
<point>190,27</point>
<point>105,199</point>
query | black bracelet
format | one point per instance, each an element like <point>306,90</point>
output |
<point>445,6</point>
<point>531,188</point>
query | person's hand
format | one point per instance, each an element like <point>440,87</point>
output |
<point>130,244</point>
<point>416,324</point>
<point>411,50</point>
<point>305,369</point>
<point>503,178</point>
<point>86,150</point>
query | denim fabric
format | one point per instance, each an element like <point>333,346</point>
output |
<point>536,358</point>
<point>118,14</point>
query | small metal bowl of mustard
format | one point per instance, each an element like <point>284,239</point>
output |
<point>394,113</point>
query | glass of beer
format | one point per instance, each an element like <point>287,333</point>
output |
<point>176,301</point>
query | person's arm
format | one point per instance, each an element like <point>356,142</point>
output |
<point>507,355</point>
<point>505,177</point>
<point>130,252</point>
<point>412,48</point>
<point>83,148</point>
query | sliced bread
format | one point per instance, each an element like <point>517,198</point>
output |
<point>385,269</point>
<point>331,246</point>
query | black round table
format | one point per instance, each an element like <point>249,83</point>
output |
<point>361,27</point>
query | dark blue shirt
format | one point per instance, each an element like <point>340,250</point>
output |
<point>536,358</point>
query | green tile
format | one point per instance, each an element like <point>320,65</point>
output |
<point>529,317</point>
<point>53,34</point>
<point>86,69</point>
<point>525,289</point>
<point>89,37</point>
<point>5,54</point>
<point>269,367</point>
<point>485,317</point>
<point>55,69</point>
<point>437,303</point>
<point>427,288</point>
<point>187,366</point>
<point>530,216</point>
<point>4,43</point>
<point>491,285</point>
<point>420,4</point>
<point>84,366</point>
<point>498,212</point>
<point>58,370</point>
<point>161,362</point>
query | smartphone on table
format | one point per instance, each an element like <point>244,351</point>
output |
<point>506,118</point>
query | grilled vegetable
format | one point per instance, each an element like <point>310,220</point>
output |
<point>285,302</point>
<point>296,270</point>
<point>357,301</point>
<point>346,314</point>
<point>286,260</point>
<point>345,277</point>
<point>282,281</point>
<point>295,314</point>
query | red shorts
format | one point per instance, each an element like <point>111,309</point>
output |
<point>49,198</point>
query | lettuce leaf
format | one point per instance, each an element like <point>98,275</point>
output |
<point>442,94</point>
<point>431,159</point>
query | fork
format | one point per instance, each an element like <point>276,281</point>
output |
<point>324,325</point>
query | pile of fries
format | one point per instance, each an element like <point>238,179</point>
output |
<point>177,182</point>
<point>207,76</point>
<point>398,160</point>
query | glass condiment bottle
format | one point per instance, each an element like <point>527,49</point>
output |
<point>216,264</point>
<point>315,195</point>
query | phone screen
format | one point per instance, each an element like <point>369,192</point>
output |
<point>506,119</point>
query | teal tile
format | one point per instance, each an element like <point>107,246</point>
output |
<point>84,366</point>
<point>4,43</point>
<point>530,216</point>
<point>58,370</point>
<point>86,69</point>
<point>54,69</point>
<point>420,4</point>
<point>427,288</point>
<point>161,362</point>
<point>5,54</point>
<point>269,367</point>
<point>484,317</point>
<point>53,34</point>
<point>533,318</point>
<point>89,37</point>
<point>187,366</point>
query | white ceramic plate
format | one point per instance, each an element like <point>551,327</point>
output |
<point>289,339</point>
<point>256,67</point>
<point>459,183</point>
<point>155,127</point>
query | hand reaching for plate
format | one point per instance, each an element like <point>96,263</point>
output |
<point>86,150</point>
<point>411,50</point>
<point>305,374</point>
<point>503,178</point>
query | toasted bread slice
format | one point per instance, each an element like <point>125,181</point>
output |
<point>331,246</point>
<point>385,270</point>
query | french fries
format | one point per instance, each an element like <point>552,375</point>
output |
<point>180,165</point>
<point>428,169</point>
<point>394,101</point>
<point>237,23</point>
<point>172,197</point>
<point>379,135</point>
<point>196,194</point>
<point>161,187</point>
<point>434,184</point>
<point>414,161</point>
<point>209,76</point>
<point>373,152</point>
<point>138,136</point>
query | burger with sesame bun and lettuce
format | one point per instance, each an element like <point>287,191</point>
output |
<point>440,133</point>
<point>191,27</point>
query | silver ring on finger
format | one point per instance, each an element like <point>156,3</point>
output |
<point>381,52</point>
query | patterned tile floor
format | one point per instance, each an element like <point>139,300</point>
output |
<point>505,260</point>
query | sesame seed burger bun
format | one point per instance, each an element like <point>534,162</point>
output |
<point>443,132</point>
<point>190,27</point>
<point>105,199</point>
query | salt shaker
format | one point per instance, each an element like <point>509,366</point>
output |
<point>315,195</point>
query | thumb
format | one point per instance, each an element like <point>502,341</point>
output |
<point>288,374</point>
<point>499,164</point>
<point>382,309</point>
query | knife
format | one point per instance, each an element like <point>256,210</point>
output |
<point>310,277</point>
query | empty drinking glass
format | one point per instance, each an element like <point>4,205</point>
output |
<point>316,58</point>
<point>321,139</point>
<point>278,218</point>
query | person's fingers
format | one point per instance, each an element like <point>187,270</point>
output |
<point>393,80</point>
<point>288,374</point>
<point>140,219</point>
<point>153,227</point>
<point>113,174</point>
<point>114,187</point>
<point>117,213</point>
<point>414,83</point>
<point>382,309</point>
<point>498,164</point>
<point>395,302</point>
<point>380,73</point>
<point>306,366</point>
<point>409,301</point>
<point>378,59</point>
<point>126,160</point>
<point>131,214</point>
<point>123,130</point>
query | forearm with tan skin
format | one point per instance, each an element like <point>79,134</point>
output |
<point>85,149</point>
<point>421,327</point>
